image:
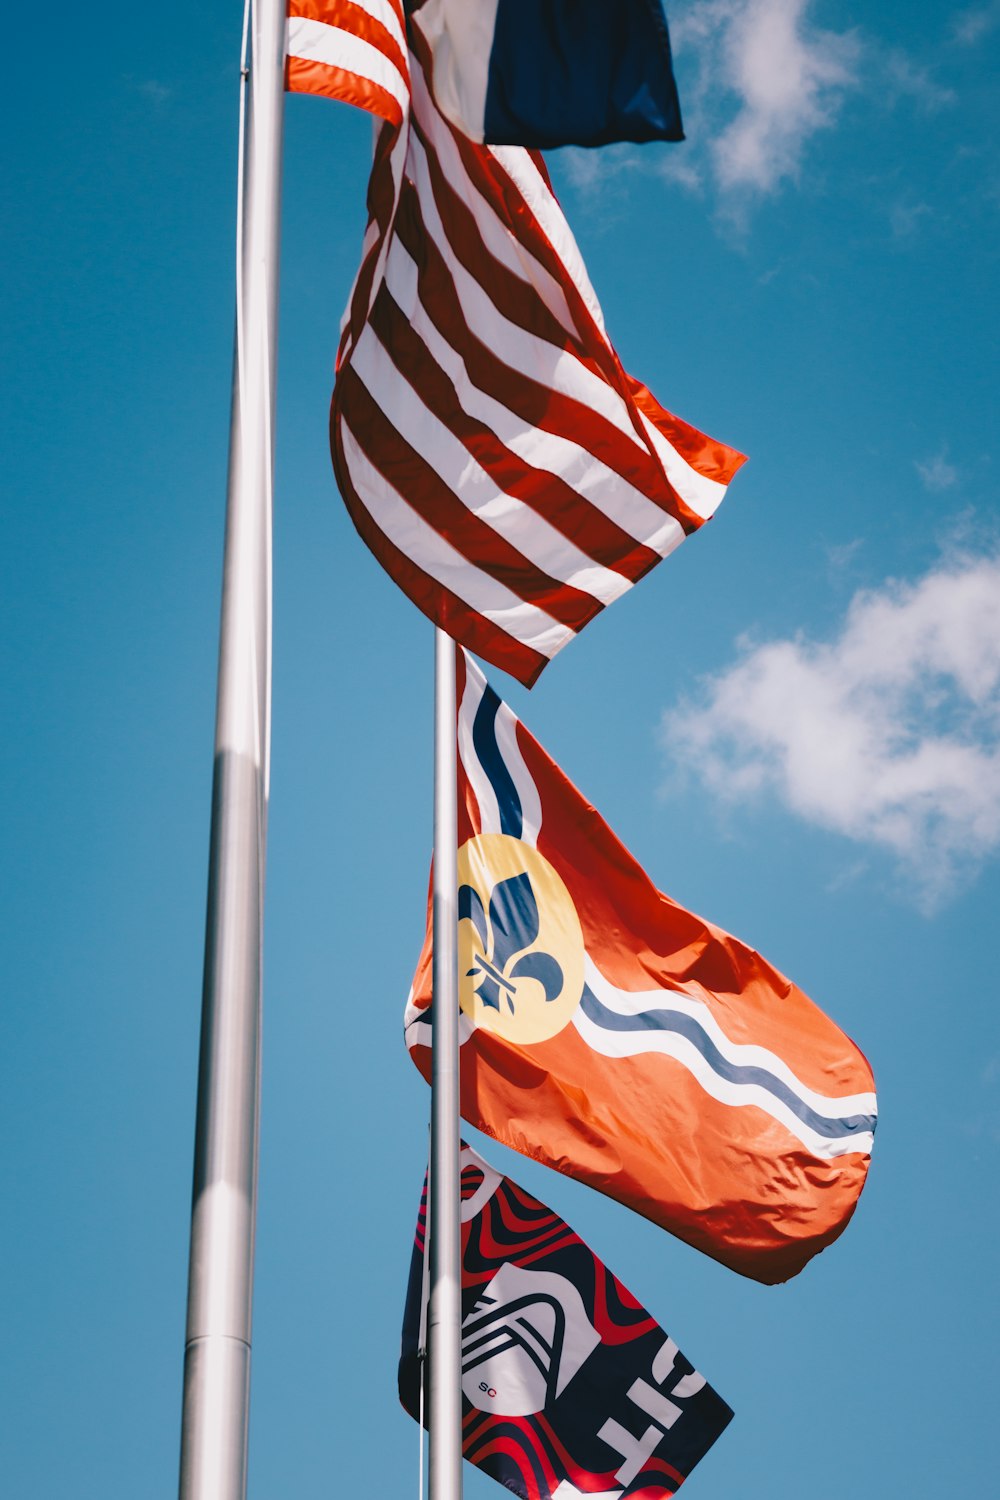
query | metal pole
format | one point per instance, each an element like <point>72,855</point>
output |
<point>220,1276</point>
<point>445,1221</point>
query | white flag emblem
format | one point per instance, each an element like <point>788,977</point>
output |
<point>524,1341</point>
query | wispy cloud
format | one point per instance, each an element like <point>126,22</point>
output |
<point>605,174</point>
<point>768,80</point>
<point>908,79</point>
<point>157,93</point>
<point>906,217</point>
<point>970,26</point>
<point>761,80</point>
<point>843,555</point>
<point>937,473</point>
<point>888,733</point>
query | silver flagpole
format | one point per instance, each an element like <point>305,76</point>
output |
<point>220,1276</point>
<point>445,1320</point>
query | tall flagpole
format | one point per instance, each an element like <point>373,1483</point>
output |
<point>445,1317</point>
<point>220,1273</point>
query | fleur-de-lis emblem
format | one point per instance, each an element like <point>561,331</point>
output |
<point>507,933</point>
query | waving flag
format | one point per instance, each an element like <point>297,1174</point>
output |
<point>569,1386</point>
<point>609,1033</point>
<point>492,452</point>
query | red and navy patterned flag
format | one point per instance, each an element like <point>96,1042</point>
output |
<point>619,1038</point>
<point>505,470</point>
<point>570,1388</point>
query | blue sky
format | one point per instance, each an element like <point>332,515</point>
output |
<point>794,724</point>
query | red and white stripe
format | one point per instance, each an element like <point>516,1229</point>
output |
<point>354,50</point>
<point>493,454</point>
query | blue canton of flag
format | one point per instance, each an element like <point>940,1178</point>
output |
<point>546,73</point>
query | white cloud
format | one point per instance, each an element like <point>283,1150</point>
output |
<point>759,81</point>
<point>970,26</point>
<point>905,218</point>
<point>842,555</point>
<point>888,734</point>
<point>937,473</point>
<point>589,170</point>
<point>785,77</point>
<point>908,79</point>
<point>156,93</point>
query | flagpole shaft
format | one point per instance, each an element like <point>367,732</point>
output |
<point>213,1464</point>
<point>445,1317</point>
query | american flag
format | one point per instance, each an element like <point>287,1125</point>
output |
<point>492,452</point>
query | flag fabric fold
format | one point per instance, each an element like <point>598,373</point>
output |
<point>618,1038</point>
<point>569,1386</point>
<point>491,450</point>
<point>548,73</point>
<point>351,50</point>
<point>538,73</point>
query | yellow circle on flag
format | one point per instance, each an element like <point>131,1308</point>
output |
<point>520,944</point>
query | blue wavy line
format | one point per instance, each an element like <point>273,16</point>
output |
<point>484,738</point>
<point>736,1073</point>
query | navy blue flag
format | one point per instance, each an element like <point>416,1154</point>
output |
<point>546,73</point>
<point>570,1388</point>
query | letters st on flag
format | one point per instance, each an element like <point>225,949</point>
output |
<point>569,1386</point>
<point>491,450</point>
<point>618,1038</point>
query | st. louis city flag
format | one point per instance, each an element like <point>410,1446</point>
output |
<point>609,1033</point>
<point>570,1388</point>
<point>505,470</point>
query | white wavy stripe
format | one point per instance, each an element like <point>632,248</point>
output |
<point>619,1044</point>
<point>315,41</point>
<point>372,233</point>
<point>517,523</point>
<point>384,12</point>
<point>740,1054</point>
<point>420,1033</point>
<point>482,786</point>
<point>376,234</point>
<point>669,1044</point>
<point>702,494</point>
<point>461,39</point>
<point>510,751</point>
<point>397,168</point>
<point>555,368</point>
<point>428,550</point>
<point>491,1181</point>
<point>567,1491</point>
<point>497,238</point>
<point>607,491</point>
<point>520,167</point>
